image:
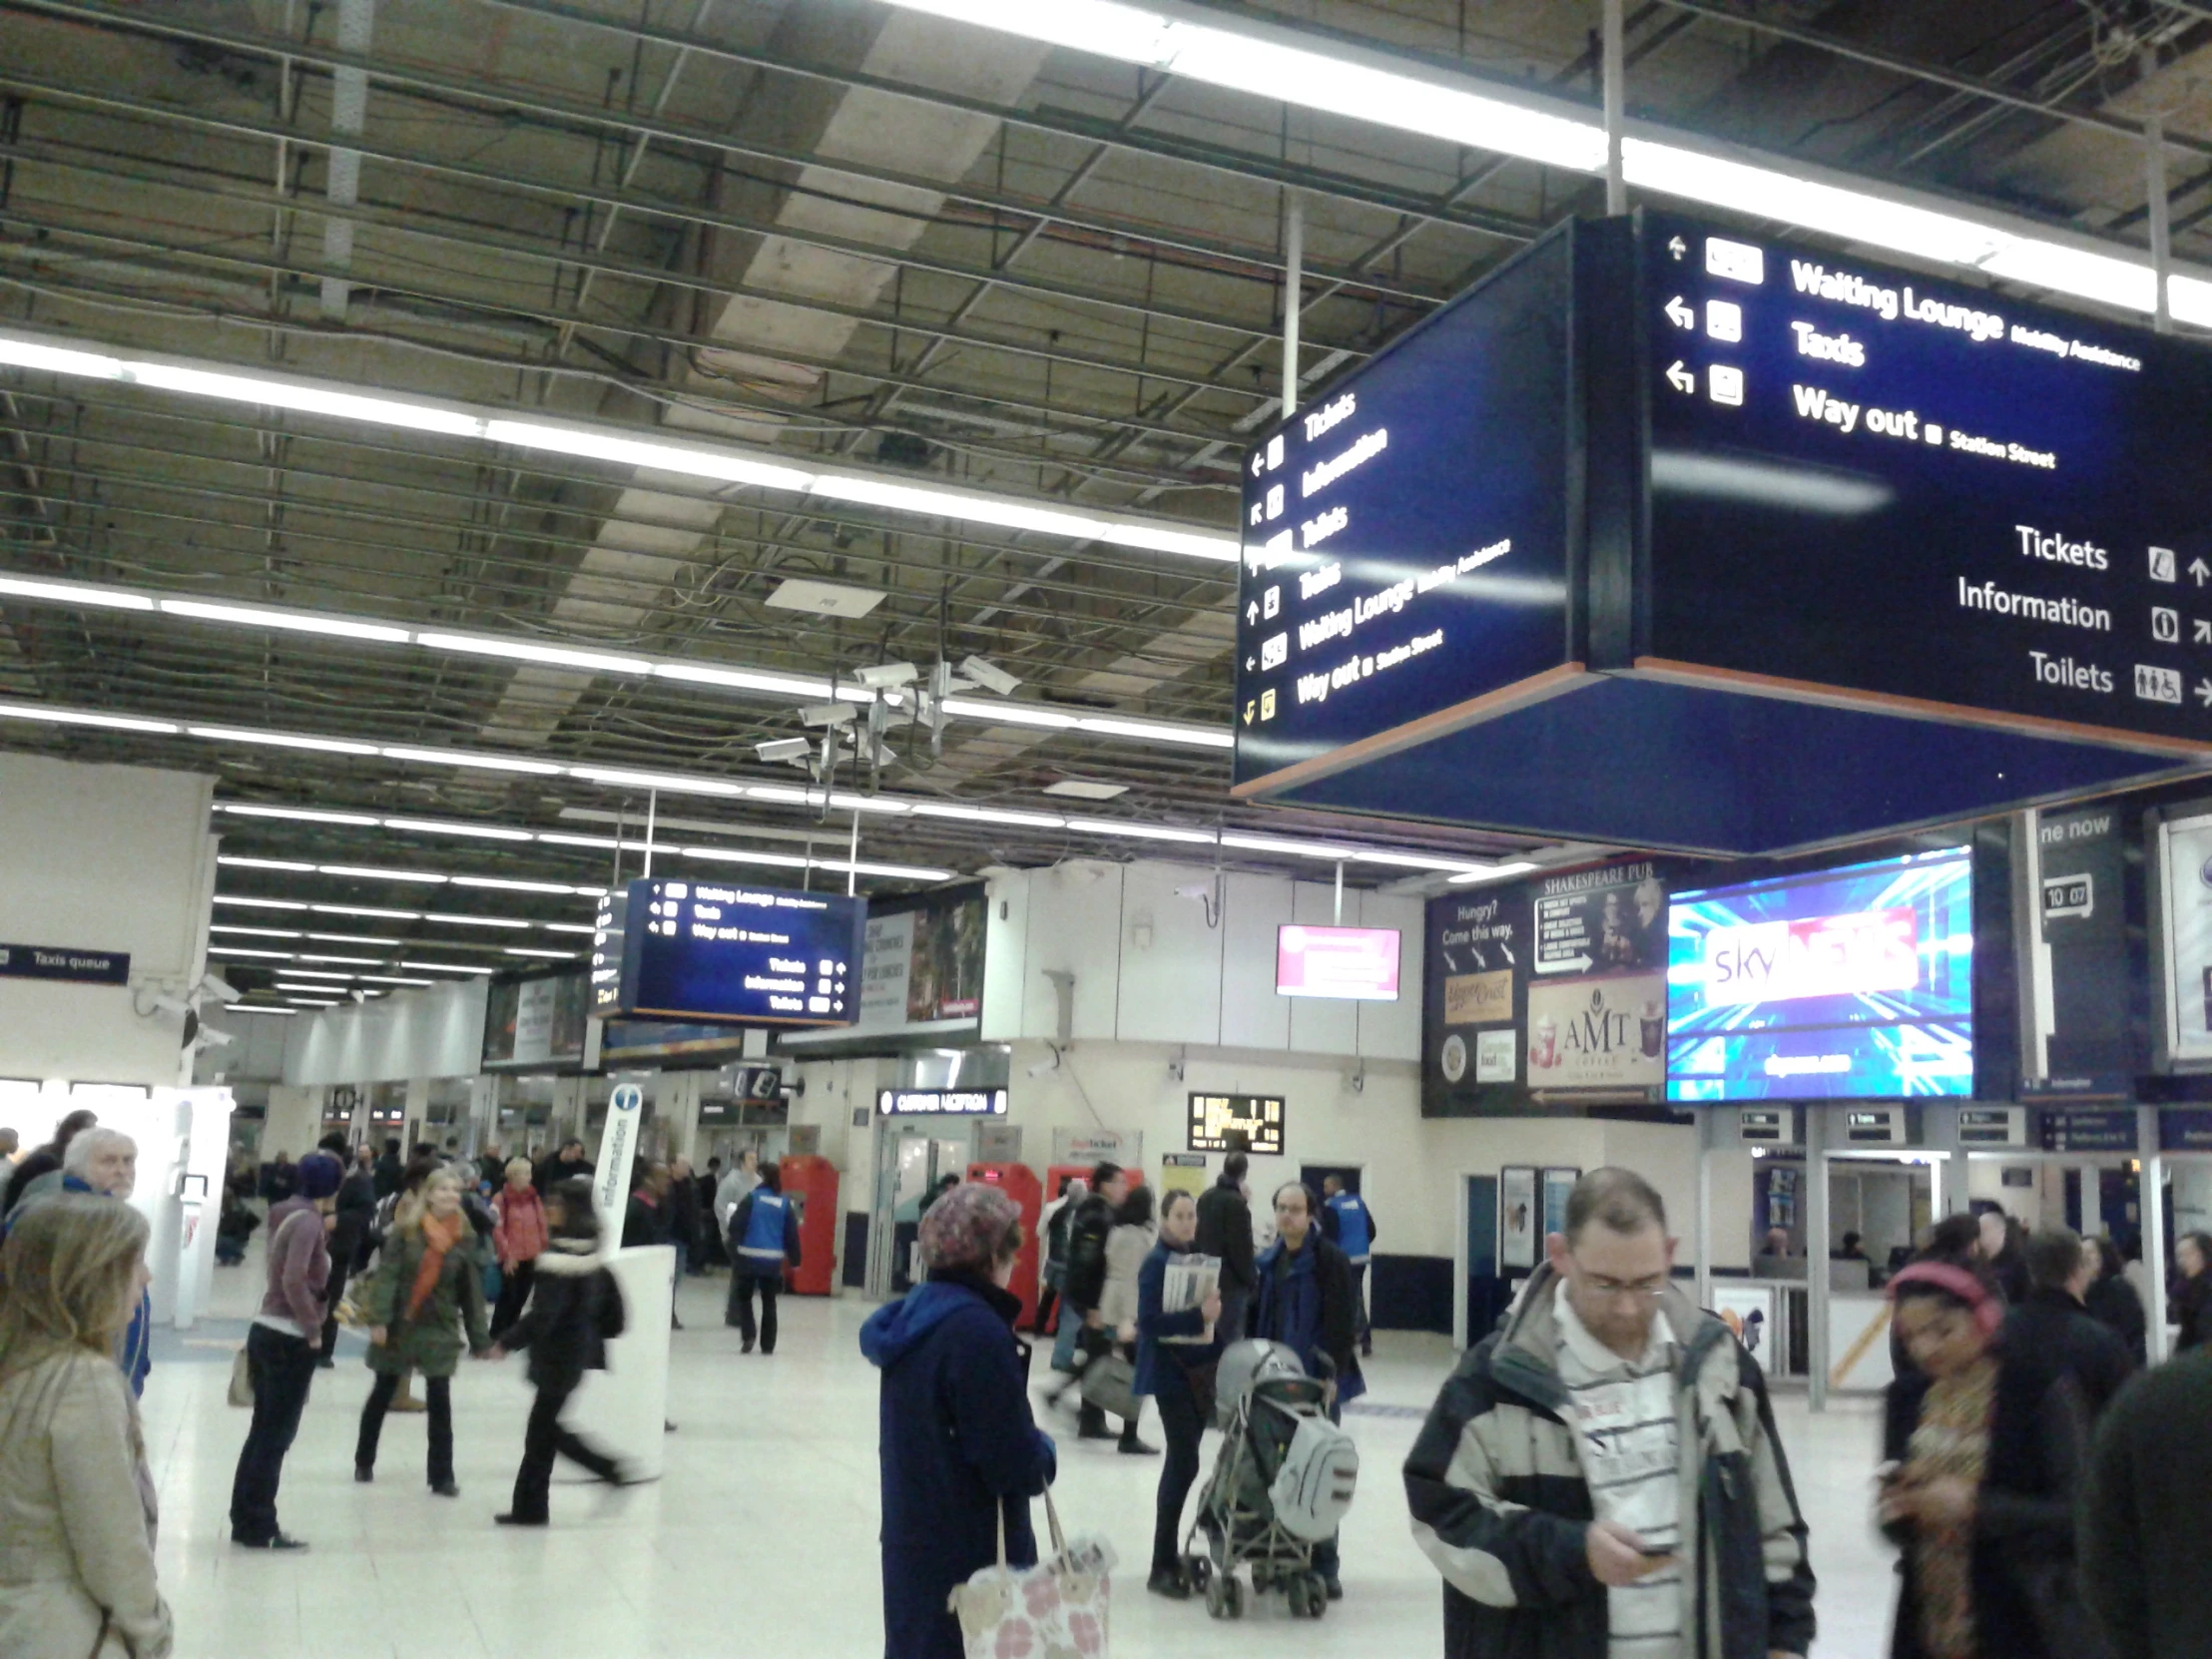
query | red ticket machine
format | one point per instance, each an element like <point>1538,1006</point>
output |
<point>1057,1179</point>
<point>812,1183</point>
<point>1020,1183</point>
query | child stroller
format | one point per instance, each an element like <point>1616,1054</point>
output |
<point>1281,1483</point>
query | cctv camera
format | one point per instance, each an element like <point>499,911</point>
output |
<point>170,1004</point>
<point>784,748</point>
<point>827,713</point>
<point>209,1035</point>
<point>989,676</point>
<point>217,987</point>
<point>1049,1064</point>
<point>1198,892</point>
<point>886,676</point>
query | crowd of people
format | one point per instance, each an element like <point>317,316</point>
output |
<point>1601,1476</point>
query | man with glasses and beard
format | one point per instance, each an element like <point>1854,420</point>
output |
<point>1549,1483</point>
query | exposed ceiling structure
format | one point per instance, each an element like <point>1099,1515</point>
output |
<point>865,242</point>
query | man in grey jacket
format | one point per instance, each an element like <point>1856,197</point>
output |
<point>1601,1478</point>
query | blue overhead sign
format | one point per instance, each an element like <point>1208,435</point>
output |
<point>728,953</point>
<point>60,961</point>
<point>1405,537</point>
<point>1862,478</point>
<point>1663,536</point>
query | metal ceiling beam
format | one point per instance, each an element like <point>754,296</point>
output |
<point>697,138</point>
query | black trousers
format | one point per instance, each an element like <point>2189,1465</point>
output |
<point>514,1294</point>
<point>282,1369</point>
<point>742,1287</point>
<point>437,1396</point>
<point>544,1440</point>
<point>1180,1428</point>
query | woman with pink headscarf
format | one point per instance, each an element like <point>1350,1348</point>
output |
<point>1984,1448</point>
<point>961,1455</point>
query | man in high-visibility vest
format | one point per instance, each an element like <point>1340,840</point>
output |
<point>1348,1223</point>
<point>764,1236</point>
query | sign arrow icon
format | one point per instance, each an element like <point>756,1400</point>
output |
<point>1677,247</point>
<point>1680,315</point>
<point>1679,377</point>
<point>2199,571</point>
<point>1251,663</point>
<point>1259,463</point>
<point>1252,611</point>
<point>1248,714</point>
<point>2204,693</point>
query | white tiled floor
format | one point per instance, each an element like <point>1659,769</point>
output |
<point>761,1540</point>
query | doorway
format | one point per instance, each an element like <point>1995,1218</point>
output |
<point>911,1163</point>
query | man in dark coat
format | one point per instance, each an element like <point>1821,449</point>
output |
<point>1225,1231</point>
<point>565,1165</point>
<point>1087,1282</point>
<point>2053,1324</point>
<point>355,1219</point>
<point>388,1170</point>
<point>2141,1518</point>
<point>1307,1301</point>
<point>962,1455</point>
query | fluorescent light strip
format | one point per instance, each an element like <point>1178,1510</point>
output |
<point>236,861</point>
<point>532,951</point>
<point>255,1008</point>
<point>311,1002</point>
<point>254,932</point>
<point>990,710</point>
<point>395,979</point>
<point>1495,873</point>
<point>85,717</point>
<point>1294,67</point>
<point>841,800</point>
<point>568,927</point>
<point>478,921</point>
<point>363,911</point>
<point>315,973</point>
<point>354,938</point>
<point>445,967</point>
<point>260,903</point>
<point>723,463</point>
<point>299,814</point>
<point>244,951</point>
<point>303,622</point>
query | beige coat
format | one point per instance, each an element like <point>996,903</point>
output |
<point>1126,1249</point>
<point>76,1516</point>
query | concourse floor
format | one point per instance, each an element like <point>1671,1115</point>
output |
<point>761,1539</point>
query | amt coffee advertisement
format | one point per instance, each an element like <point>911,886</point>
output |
<point>1597,998</point>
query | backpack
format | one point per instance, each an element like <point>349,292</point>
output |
<point>1313,1489</point>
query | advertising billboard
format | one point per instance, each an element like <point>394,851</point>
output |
<point>1848,984</point>
<point>1354,964</point>
<point>2185,890</point>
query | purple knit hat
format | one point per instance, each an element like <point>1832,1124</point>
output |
<point>964,1229</point>
<point>321,1175</point>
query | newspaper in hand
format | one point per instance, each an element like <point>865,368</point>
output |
<point>1190,1280</point>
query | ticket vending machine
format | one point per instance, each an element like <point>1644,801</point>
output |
<point>810,1182</point>
<point>1020,1183</point>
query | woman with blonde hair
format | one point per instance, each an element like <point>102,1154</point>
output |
<point>429,1287</point>
<point>76,1499</point>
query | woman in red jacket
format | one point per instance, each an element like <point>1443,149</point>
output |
<point>519,1235</point>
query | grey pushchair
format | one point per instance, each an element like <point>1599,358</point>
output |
<point>1281,1483</point>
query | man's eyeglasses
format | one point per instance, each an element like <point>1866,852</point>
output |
<point>1612,1290</point>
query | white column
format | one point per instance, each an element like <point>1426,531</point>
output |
<point>1816,1254</point>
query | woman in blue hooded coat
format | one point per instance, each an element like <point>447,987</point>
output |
<point>958,1446</point>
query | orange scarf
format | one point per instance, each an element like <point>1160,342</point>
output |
<point>438,1237</point>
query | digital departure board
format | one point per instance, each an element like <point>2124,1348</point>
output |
<point>1405,537</point>
<point>1231,1122</point>
<point>729,955</point>
<point>1864,478</point>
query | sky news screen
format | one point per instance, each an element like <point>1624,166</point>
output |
<point>1854,983</point>
<point>1357,965</point>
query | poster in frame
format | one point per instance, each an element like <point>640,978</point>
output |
<point>1559,1187</point>
<point>1518,1218</point>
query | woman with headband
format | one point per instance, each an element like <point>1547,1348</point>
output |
<point>1982,1449</point>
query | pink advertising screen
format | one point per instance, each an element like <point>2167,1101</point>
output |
<point>1358,964</point>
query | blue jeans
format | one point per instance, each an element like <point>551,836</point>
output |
<point>1063,1344</point>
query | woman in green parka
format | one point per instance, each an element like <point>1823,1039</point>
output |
<point>428,1286</point>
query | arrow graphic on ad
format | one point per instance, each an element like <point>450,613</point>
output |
<point>1679,377</point>
<point>1680,315</point>
<point>1581,964</point>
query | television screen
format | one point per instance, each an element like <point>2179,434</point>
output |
<point>1835,984</point>
<point>1358,964</point>
<point>719,952</point>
